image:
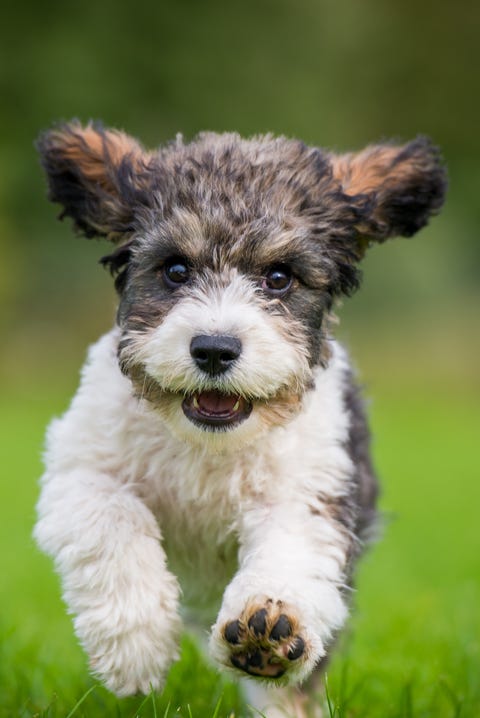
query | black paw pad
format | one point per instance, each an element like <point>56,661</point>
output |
<point>265,641</point>
<point>282,628</point>
<point>232,632</point>
<point>255,660</point>
<point>297,649</point>
<point>257,663</point>
<point>239,662</point>
<point>258,622</point>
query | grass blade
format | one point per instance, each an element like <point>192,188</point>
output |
<point>331,711</point>
<point>217,708</point>
<point>152,695</point>
<point>255,710</point>
<point>79,703</point>
<point>455,700</point>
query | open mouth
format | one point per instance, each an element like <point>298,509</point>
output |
<point>216,410</point>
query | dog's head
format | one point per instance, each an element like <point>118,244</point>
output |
<point>229,255</point>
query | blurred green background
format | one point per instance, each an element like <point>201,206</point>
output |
<point>338,74</point>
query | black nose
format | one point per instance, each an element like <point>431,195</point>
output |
<point>215,354</point>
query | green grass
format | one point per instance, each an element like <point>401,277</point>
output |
<point>412,648</point>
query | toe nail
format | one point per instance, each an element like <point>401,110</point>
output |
<point>297,649</point>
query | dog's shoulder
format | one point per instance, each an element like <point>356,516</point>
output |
<point>106,425</point>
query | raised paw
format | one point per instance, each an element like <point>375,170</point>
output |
<point>266,640</point>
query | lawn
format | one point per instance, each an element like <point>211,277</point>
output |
<point>413,646</point>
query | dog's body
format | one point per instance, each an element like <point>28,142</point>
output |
<point>218,439</point>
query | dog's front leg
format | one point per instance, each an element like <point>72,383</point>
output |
<point>285,603</point>
<point>106,545</point>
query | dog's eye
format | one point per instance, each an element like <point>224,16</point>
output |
<point>277,280</point>
<point>176,271</point>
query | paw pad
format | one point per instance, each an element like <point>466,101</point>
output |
<point>265,641</point>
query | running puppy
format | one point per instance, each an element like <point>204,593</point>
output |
<point>217,441</point>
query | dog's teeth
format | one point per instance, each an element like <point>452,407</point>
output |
<point>237,405</point>
<point>196,405</point>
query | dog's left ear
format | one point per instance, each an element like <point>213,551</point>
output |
<point>97,174</point>
<point>401,187</point>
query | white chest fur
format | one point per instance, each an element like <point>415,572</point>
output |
<point>117,481</point>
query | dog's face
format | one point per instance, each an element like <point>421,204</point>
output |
<point>230,255</point>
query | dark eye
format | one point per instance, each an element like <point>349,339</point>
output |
<point>277,280</point>
<point>176,272</point>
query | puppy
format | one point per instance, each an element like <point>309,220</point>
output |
<point>217,453</point>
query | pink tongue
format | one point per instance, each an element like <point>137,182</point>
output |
<point>213,402</point>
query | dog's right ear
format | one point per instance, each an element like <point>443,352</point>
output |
<point>98,175</point>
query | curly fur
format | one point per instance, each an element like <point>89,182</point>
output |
<point>252,522</point>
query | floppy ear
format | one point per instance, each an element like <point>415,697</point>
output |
<point>96,174</point>
<point>401,187</point>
